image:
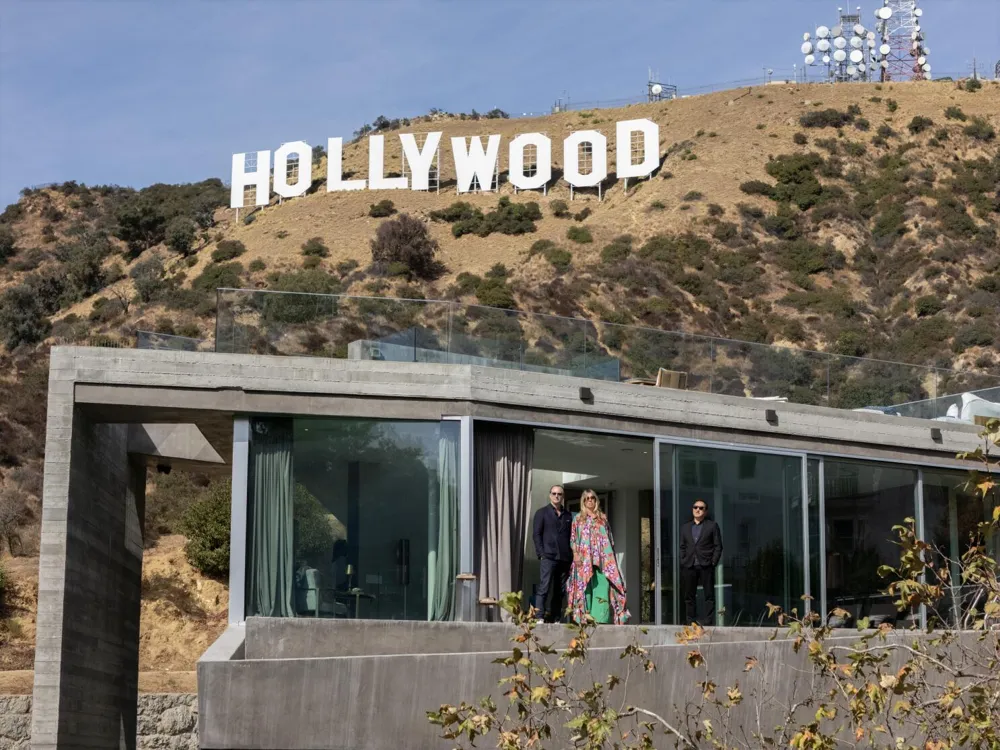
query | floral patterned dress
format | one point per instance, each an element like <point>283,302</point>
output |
<point>595,582</point>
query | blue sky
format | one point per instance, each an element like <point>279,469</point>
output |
<point>134,92</point>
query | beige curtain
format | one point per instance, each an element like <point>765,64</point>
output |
<point>503,456</point>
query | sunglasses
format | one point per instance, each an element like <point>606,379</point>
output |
<point>698,507</point>
<point>556,494</point>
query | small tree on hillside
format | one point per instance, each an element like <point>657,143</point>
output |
<point>404,241</point>
<point>206,525</point>
<point>147,276</point>
<point>22,318</point>
<point>8,243</point>
<point>180,234</point>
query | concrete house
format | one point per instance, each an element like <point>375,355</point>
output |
<point>381,502</point>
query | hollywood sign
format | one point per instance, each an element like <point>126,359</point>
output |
<point>474,162</point>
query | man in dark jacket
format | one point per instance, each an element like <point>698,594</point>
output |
<point>701,550</point>
<point>552,536</point>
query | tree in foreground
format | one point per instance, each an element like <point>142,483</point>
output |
<point>882,688</point>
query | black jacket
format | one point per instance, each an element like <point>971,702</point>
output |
<point>552,534</point>
<point>707,552</point>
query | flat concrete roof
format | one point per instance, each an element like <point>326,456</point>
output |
<point>207,389</point>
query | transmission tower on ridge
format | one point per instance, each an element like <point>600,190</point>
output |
<point>902,53</point>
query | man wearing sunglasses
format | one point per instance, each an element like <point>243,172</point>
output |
<point>701,550</point>
<point>552,526</point>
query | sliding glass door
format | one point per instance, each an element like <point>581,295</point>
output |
<point>754,508</point>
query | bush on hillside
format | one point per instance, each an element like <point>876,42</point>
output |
<point>457,211</point>
<point>582,214</point>
<point>757,187</point>
<point>973,85</point>
<point>206,525</point>
<point>919,124</point>
<point>83,264</point>
<point>405,240</point>
<point>928,305</point>
<point>180,234</point>
<point>142,217</point>
<point>8,243</point>
<point>22,318</point>
<point>980,333</point>
<point>315,247</point>
<point>802,256</point>
<point>227,250</point>
<point>826,118</point>
<point>218,276</point>
<point>559,208</point>
<point>617,250</point>
<point>980,129</point>
<point>800,139</point>
<point>311,305</point>
<point>382,209</point>
<point>579,234</point>
<point>955,113</point>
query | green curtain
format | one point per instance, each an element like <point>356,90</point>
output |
<point>443,544</point>
<point>271,493</point>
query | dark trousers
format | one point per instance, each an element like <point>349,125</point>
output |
<point>552,588</point>
<point>691,578</point>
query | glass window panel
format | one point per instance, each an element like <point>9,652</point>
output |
<point>371,529</point>
<point>815,545</point>
<point>951,518</point>
<point>863,502</point>
<point>756,499</point>
<point>669,594</point>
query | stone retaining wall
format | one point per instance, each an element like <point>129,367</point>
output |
<point>165,722</point>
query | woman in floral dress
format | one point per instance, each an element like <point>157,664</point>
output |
<point>596,586</point>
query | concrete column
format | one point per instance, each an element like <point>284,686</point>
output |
<point>90,576</point>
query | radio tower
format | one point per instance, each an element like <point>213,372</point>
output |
<point>903,54</point>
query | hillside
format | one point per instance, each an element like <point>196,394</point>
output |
<point>858,219</point>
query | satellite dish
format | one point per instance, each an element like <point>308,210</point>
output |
<point>871,44</point>
<point>927,76</point>
<point>921,60</point>
<point>927,50</point>
<point>859,29</point>
<point>822,32</point>
<point>810,59</point>
<point>806,37</point>
<point>862,67</point>
<point>857,56</point>
<point>837,31</point>
<point>857,42</point>
<point>918,12</point>
<point>916,46</point>
<point>826,59</point>
<point>884,50</point>
<point>851,70</point>
<point>807,48</point>
<point>840,42</point>
<point>926,67</point>
<point>884,63</point>
<point>656,89</point>
<point>871,35</point>
<point>885,13</point>
<point>839,55</point>
<point>823,45</point>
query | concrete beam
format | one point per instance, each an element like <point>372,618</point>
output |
<point>181,441</point>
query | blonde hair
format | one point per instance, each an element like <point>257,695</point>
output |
<point>596,513</point>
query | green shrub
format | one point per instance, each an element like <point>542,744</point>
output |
<point>506,218</point>
<point>315,247</point>
<point>227,250</point>
<point>862,124</point>
<point>973,85</point>
<point>579,234</point>
<point>457,211</point>
<point>206,523</point>
<point>618,250</point>
<point>979,333</point>
<point>582,214</point>
<point>757,187</point>
<point>800,139</point>
<point>466,283</point>
<point>311,261</point>
<point>885,131</point>
<point>829,144</point>
<point>693,195</point>
<point>657,206</point>
<point>852,148</point>
<point>382,209</point>
<point>219,275</point>
<point>257,265</point>
<point>23,319</point>
<point>892,104</point>
<point>405,240</point>
<point>955,113</point>
<point>559,208</point>
<point>494,292</point>
<point>781,225</point>
<point>750,212</point>
<point>692,283</point>
<point>346,266</point>
<point>714,209</point>
<point>919,124</point>
<point>8,243</point>
<point>725,231</point>
<point>980,129</point>
<point>989,284</point>
<point>802,256</point>
<point>928,305</point>
<point>826,118</point>
<point>559,258</point>
<point>147,276</point>
<point>250,218</point>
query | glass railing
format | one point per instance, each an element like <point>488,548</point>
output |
<point>153,340</point>
<point>300,324</point>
